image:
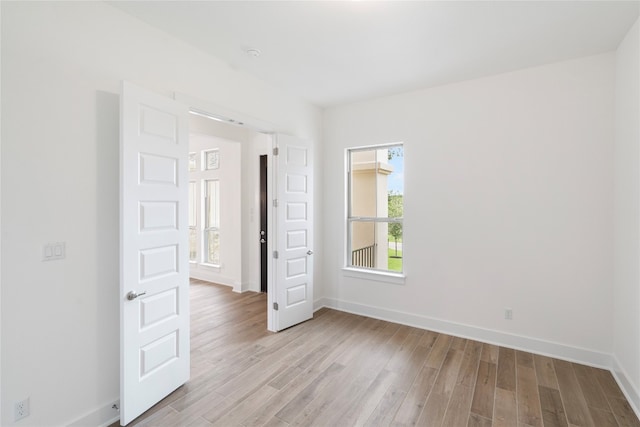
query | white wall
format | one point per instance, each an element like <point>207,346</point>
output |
<point>626,313</point>
<point>508,204</point>
<point>62,64</point>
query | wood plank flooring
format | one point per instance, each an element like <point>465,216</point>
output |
<point>341,369</point>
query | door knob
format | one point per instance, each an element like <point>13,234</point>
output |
<point>263,241</point>
<point>133,295</point>
<point>309,252</point>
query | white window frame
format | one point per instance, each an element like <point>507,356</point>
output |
<point>215,157</point>
<point>384,275</point>
<point>193,157</point>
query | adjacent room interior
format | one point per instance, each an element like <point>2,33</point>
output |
<point>224,177</point>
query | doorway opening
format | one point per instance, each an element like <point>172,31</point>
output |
<point>226,203</point>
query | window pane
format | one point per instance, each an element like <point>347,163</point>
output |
<point>369,243</point>
<point>192,204</point>
<point>375,174</point>
<point>211,159</point>
<point>193,253</point>
<point>394,252</point>
<point>376,208</point>
<point>193,249</point>
<point>364,183</point>
<point>212,204</point>
<point>192,162</point>
<point>395,181</point>
<point>212,246</point>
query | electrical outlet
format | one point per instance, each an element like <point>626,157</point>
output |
<point>508,314</point>
<point>21,409</point>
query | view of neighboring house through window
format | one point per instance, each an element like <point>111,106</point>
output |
<point>375,207</point>
<point>211,236</point>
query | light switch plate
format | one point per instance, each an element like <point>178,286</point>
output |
<point>53,251</point>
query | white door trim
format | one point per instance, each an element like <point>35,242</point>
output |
<point>226,115</point>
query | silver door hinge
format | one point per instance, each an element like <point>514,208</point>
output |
<point>275,254</point>
<point>275,151</point>
<point>275,203</point>
<point>275,306</point>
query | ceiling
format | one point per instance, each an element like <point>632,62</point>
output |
<point>336,52</point>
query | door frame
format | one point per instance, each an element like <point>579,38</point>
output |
<point>217,112</point>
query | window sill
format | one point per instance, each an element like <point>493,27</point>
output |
<point>208,264</point>
<point>211,266</point>
<point>378,276</point>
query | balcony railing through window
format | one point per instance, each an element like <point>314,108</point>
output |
<point>364,257</point>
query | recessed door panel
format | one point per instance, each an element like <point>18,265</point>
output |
<point>158,308</point>
<point>296,294</point>
<point>156,170</point>
<point>159,124</point>
<point>296,239</point>
<point>296,211</point>
<point>296,183</point>
<point>296,267</point>
<point>158,216</point>
<point>297,156</point>
<point>158,262</point>
<point>158,353</point>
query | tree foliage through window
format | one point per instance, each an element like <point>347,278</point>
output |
<point>395,211</point>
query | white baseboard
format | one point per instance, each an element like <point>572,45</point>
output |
<point>517,342</point>
<point>630,391</point>
<point>250,286</point>
<point>102,417</point>
<point>213,277</point>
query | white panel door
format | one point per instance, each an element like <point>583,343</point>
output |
<point>154,264</point>
<point>293,292</point>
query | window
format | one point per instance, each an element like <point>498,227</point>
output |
<point>211,159</point>
<point>192,162</point>
<point>211,230</point>
<point>375,203</point>
<point>193,252</point>
<point>204,208</point>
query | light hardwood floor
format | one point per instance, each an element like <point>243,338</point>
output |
<point>341,369</point>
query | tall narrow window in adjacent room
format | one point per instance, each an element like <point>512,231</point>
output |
<point>193,246</point>
<point>211,237</point>
<point>375,203</point>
